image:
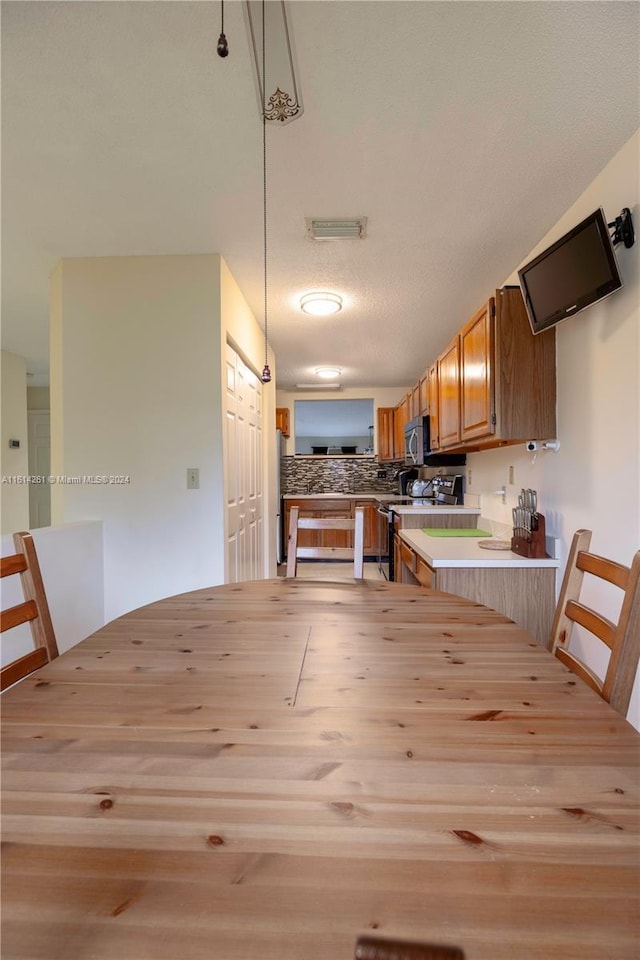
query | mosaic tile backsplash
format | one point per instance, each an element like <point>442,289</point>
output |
<point>337,475</point>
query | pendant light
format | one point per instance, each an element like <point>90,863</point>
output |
<point>266,372</point>
<point>223,46</point>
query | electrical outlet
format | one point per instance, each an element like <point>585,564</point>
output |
<point>382,474</point>
<point>469,478</point>
<point>193,478</point>
<point>511,475</point>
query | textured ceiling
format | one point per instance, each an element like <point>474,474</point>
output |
<point>461,130</point>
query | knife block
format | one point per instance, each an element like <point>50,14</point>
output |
<point>532,546</point>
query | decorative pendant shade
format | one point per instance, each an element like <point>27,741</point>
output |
<point>280,98</point>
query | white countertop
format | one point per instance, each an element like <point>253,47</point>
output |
<point>465,552</point>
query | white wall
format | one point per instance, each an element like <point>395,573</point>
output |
<point>71,563</point>
<point>136,386</point>
<point>594,479</point>
<point>14,504</point>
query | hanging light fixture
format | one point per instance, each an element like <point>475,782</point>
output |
<point>223,46</point>
<point>281,106</point>
<point>321,303</point>
<point>266,372</point>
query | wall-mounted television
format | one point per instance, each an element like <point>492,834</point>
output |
<point>576,271</point>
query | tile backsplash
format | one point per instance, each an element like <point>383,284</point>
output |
<point>336,475</point>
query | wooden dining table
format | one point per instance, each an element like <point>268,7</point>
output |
<point>268,770</point>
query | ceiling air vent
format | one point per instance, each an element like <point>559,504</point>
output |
<point>336,229</point>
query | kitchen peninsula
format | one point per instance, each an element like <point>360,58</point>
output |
<point>521,588</point>
<point>376,534</point>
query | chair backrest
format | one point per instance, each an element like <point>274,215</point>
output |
<point>355,552</point>
<point>34,611</point>
<point>622,638</point>
<point>377,948</point>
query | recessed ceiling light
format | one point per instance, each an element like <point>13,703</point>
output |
<point>320,303</point>
<point>328,373</point>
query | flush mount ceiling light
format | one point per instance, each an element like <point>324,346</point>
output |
<point>328,373</point>
<point>321,303</point>
<point>336,229</point>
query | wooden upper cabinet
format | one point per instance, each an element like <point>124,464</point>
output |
<point>505,376</point>
<point>433,406</point>
<point>423,390</point>
<point>282,420</point>
<point>477,416</point>
<point>449,394</point>
<point>525,373</point>
<point>414,410</point>
<point>385,433</point>
<point>401,418</point>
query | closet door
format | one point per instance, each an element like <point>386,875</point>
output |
<point>243,472</point>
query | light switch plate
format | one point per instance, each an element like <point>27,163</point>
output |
<point>193,478</point>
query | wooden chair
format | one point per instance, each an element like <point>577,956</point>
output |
<point>355,553</point>
<point>34,611</point>
<point>622,638</point>
<point>377,948</point>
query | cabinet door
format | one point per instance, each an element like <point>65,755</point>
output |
<point>423,402</point>
<point>335,538</point>
<point>401,418</point>
<point>433,403</point>
<point>306,538</point>
<point>449,394</point>
<point>424,574</point>
<point>476,375</point>
<point>415,402</point>
<point>370,526</point>
<point>282,420</point>
<point>385,433</point>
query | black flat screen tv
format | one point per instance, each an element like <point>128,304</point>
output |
<point>576,271</point>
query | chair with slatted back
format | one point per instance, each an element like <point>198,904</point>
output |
<point>34,611</point>
<point>379,948</point>
<point>355,552</point>
<point>622,638</point>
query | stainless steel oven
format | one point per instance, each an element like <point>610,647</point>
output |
<point>447,491</point>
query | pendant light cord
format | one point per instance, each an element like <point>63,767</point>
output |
<point>264,181</point>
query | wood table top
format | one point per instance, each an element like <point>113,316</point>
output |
<point>267,770</point>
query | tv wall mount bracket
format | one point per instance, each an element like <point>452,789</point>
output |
<point>623,229</point>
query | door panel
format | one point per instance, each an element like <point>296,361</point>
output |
<point>243,471</point>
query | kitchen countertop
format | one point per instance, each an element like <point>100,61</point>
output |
<point>465,552</point>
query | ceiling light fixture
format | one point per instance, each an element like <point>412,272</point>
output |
<point>321,303</point>
<point>328,373</point>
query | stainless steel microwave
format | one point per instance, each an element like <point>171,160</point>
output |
<point>417,447</point>
<point>416,441</point>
